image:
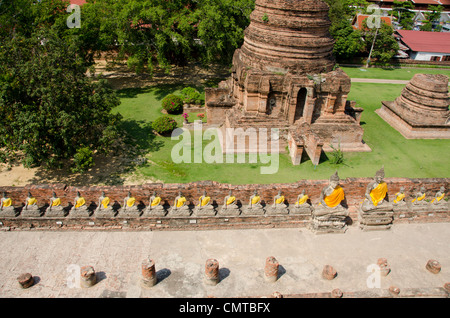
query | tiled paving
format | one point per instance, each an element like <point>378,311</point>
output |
<point>54,258</point>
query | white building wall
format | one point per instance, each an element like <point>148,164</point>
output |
<point>426,56</point>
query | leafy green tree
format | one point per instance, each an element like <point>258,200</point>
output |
<point>385,46</point>
<point>402,10</point>
<point>348,43</point>
<point>49,107</point>
<point>432,17</point>
<point>348,40</point>
<point>160,33</point>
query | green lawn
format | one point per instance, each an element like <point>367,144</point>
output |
<point>397,74</point>
<point>400,157</point>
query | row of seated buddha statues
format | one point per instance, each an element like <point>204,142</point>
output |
<point>330,215</point>
<point>156,208</point>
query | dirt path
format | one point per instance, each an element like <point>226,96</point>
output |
<point>119,76</point>
<point>381,81</point>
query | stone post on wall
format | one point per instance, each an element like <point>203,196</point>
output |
<point>212,272</point>
<point>148,273</point>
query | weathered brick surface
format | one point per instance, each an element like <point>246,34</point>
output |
<point>354,191</point>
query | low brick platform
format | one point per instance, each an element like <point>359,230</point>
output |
<point>354,191</point>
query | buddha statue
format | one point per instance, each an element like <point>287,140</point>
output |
<point>376,194</point>
<point>439,197</point>
<point>301,206</point>
<point>55,209</point>
<point>279,205</point>
<point>400,197</point>
<point>399,203</point>
<point>204,207</point>
<point>155,207</point>
<point>80,209</point>
<point>439,203</point>
<point>230,206</point>
<point>330,215</point>
<point>180,208</point>
<point>376,210</point>
<point>129,208</point>
<point>6,207</point>
<point>254,206</point>
<point>31,208</point>
<point>104,208</point>
<point>419,198</point>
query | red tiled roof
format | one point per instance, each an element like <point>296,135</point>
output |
<point>361,17</point>
<point>79,2</point>
<point>425,41</point>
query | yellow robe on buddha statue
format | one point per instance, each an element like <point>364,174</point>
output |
<point>7,203</point>
<point>302,200</point>
<point>379,193</point>
<point>419,198</point>
<point>438,198</point>
<point>156,201</point>
<point>400,196</point>
<point>56,202</point>
<point>130,202</point>
<point>180,202</point>
<point>32,201</point>
<point>231,200</point>
<point>335,198</point>
<point>105,202</point>
<point>204,201</point>
<point>255,199</point>
<point>80,202</point>
<point>280,200</point>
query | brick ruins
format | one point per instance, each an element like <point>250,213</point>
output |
<point>354,191</point>
<point>421,111</point>
<point>284,76</point>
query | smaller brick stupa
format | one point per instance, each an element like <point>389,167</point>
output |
<point>421,111</point>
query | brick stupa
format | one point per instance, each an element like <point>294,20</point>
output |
<point>284,76</point>
<point>421,111</point>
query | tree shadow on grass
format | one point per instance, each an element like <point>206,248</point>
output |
<point>138,140</point>
<point>140,135</point>
<point>160,90</point>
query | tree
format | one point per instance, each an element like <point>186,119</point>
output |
<point>160,33</point>
<point>432,19</point>
<point>348,41</point>
<point>49,107</point>
<point>385,46</point>
<point>402,10</point>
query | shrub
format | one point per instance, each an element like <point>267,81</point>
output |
<point>191,96</point>
<point>83,160</point>
<point>135,64</point>
<point>173,104</point>
<point>337,156</point>
<point>164,125</point>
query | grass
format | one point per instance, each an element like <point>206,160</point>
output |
<point>400,157</point>
<point>390,73</point>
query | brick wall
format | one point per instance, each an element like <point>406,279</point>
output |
<point>354,189</point>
